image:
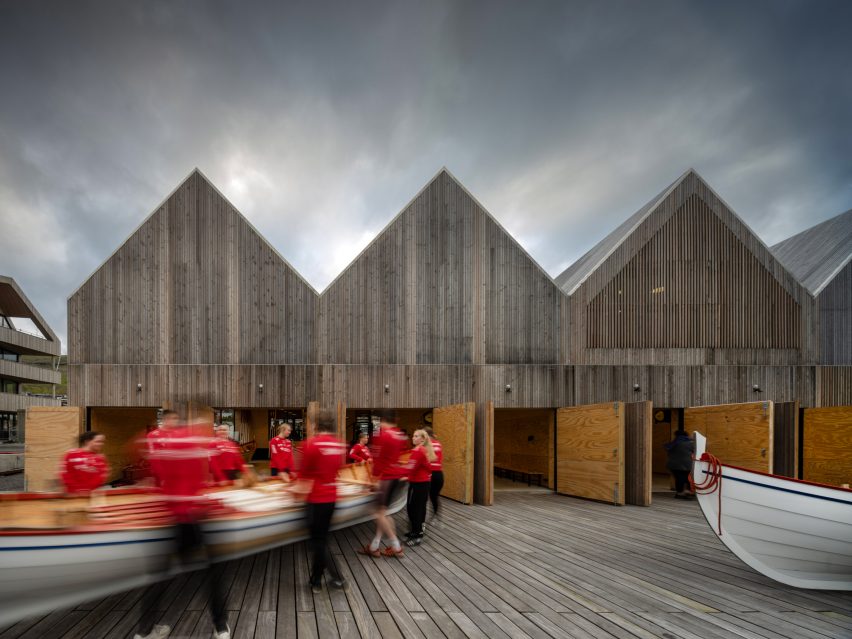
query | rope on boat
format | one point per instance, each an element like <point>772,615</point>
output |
<point>711,483</point>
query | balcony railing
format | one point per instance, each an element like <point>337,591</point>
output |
<point>28,374</point>
<point>10,401</point>
<point>31,344</point>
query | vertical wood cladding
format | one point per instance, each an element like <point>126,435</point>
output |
<point>691,285</point>
<point>195,284</point>
<point>835,319</point>
<point>442,284</point>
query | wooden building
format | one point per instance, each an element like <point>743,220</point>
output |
<point>444,315</point>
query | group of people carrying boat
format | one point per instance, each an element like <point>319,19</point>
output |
<point>184,461</point>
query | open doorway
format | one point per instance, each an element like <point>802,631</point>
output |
<point>523,450</point>
<point>664,424</point>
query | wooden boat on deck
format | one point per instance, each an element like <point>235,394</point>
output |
<point>58,551</point>
<point>796,532</point>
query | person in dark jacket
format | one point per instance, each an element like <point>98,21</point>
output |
<point>680,451</point>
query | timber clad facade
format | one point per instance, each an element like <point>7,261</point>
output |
<point>682,305</point>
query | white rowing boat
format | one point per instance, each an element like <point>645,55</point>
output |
<point>796,532</point>
<point>58,552</point>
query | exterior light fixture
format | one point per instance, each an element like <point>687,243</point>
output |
<point>756,388</point>
<point>387,388</point>
<point>260,388</point>
<point>636,387</point>
<point>508,388</point>
<point>138,388</point>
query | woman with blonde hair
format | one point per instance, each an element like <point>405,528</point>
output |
<point>419,480</point>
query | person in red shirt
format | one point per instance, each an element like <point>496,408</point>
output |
<point>281,453</point>
<point>360,453</point>
<point>419,480</point>
<point>85,468</point>
<point>322,457</point>
<point>226,461</point>
<point>437,483</point>
<point>180,461</point>
<point>388,470</point>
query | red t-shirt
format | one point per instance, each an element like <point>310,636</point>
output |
<point>419,466</point>
<point>180,464</point>
<point>360,453</point>
<point>322,457</point>
<point>388,446</point>
<point>281,453</point>
<point>82,471</point>
<point>224,456</point>
<point>438,464</point>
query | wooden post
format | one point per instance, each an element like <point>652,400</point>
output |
<point>311,416</point>
<point>341,420</point>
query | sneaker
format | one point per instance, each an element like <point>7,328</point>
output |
<point>222,634</point>
<point>390,552</point>
<point>340,584</point>
<point>160,631</point>
<point>414,541</point>
<point>366,550</point>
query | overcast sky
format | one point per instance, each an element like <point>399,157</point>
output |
<point>321,120</point>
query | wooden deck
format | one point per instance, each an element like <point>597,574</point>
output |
<point>533,565</point>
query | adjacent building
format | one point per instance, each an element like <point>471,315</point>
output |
<point>14,343</point>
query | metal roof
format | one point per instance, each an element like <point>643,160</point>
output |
<point>817,254</point>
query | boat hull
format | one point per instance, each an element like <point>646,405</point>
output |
<point>41,571</point>
<point>795,532</point>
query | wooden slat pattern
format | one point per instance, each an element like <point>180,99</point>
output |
<point>835,319</point>
<point>638,476</point>
<point>590,451</point>
<point>721,296</point>
<point>827,445</point>
<point>195,284</point>
<point>531,566</point>
<point>479,297</point>
<point>833,386</point>
<point>50,432</point>
<point>785,439</point>
<point>738,434</point>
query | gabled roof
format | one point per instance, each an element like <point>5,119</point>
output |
<point>13,303</point>
<point>575,274</point>
<point>817,254</point>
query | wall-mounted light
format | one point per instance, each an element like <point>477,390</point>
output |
<point>260,388</point>
<point>508,388</point>
<point>138,388</point>
<point>636,387</point>
<point>756,388</point>
<point>387,388</point>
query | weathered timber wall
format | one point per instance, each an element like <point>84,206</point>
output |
<point>195,284</point>
<point>835,319</point>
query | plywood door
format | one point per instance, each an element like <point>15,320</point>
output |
<point>738,434</point>
<point>590,451</point>
<point>827,451</point>
<point>50,432</point>
<point>454,428</point>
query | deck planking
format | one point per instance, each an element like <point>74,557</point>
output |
<point>533,565</point>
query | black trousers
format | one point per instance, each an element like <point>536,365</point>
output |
<point>681,479</point>
<point>418,497</point>
<point>435,487</point>
<point>190,549</point>
<point>319,521</point>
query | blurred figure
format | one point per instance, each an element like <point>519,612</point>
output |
<point>281,453</point>
<point>419,481</point>
<point>322,457</point>
<point>359,452</point>
<point>226,461</point>
<point>180,461</point>
<point>83,469</point>
<point>679,462</point>
<point>387,469</point>
<point>437,482</point>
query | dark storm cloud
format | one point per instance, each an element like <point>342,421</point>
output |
<point>321,120</point>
